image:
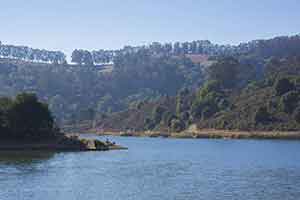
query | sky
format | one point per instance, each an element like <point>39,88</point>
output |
<point>110,24</point>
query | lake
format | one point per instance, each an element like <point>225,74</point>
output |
<point>157,169</point>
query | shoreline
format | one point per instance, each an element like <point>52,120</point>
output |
<point>207,134</point>
<point>64,143</point>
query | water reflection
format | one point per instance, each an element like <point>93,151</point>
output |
<point>23,158</point>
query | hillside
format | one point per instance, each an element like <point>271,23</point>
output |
<point>76,93</point>
<point>103,82</point>
<point>271,103</point>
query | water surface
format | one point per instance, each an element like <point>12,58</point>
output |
<point>157,168</point>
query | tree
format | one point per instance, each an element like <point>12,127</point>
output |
<point>289,101</point>
<point>5,105</point>
<point>167,118</point>
<point>283,86</point>
<point>87,58</point>
<point>262,115</point>
<point>207,100</point>
<point>157,113</point>
<point>177,125</point>
<point>193,48</point>
<point>29,118</point>
<point>185,47</point>
<point>177,49</point>
<point>149,124</point>
<point>168,48</point>
<point>178,105</point>
<point>209,86</point>
<point>296,114</point>
<point>76,56</point>
<point>82,57</point>
<point>225,71</point>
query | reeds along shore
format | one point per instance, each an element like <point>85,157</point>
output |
<point>222,134</point>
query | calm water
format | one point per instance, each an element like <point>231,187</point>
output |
<point>154,168</point>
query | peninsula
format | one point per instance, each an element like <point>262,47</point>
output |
<point>27,124</point>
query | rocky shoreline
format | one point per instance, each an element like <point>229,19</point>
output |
<point>63,143</point>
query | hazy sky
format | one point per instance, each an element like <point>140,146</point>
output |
<point>94,24</point>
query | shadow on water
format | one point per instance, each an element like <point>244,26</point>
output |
<point>24,157</point>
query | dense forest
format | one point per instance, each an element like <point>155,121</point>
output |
<point>158,85</point>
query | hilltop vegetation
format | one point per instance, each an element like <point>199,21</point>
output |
<point>257,49</point>
<point>31,54</point>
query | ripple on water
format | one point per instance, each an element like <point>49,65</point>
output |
<point>158,169</point>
